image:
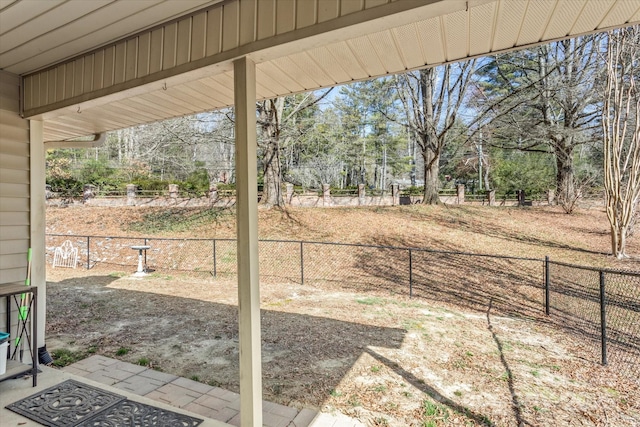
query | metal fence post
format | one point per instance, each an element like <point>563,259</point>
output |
<point>215,264</point>
<point>88,253</point>
<point>301,263</point>
<point>410,274</point>
<point>546,285</point>
<point>603,319</point>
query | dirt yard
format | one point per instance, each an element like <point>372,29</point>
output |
<point>385,359</point>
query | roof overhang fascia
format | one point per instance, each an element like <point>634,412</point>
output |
<point>340,28</point>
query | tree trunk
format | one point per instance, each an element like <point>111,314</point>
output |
<point>564,178</point>
<point>431,179</point>
<point>270,118</point>
<point>621,114</point>
<point>271,190</point>
<point>618,241</point>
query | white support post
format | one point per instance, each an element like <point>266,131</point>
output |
<point>247,238</point>
<point>37,214</point>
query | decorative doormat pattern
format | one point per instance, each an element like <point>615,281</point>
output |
<point>65,404</point>
<point>133,414</point>
<point>74,404</point>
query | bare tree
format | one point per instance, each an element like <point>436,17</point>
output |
<point>270,119</point>
<point>273,115</point>
<point>432,98</point>
<point>545,100</point>
<point>621,127</point>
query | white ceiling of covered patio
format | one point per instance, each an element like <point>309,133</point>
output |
<point>435,33</point>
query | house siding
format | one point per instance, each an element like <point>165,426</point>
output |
<point>14,188</point>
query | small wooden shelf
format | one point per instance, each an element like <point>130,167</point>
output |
<point>16,368</point>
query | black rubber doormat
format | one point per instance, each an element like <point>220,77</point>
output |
<point>129,413</point>
<point>74,404</point>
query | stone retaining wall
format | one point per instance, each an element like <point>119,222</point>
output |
<point>325,199</point>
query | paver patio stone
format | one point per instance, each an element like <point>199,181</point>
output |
<point>108,377</point>
<point>272,420</point>
<point>212,402</point>
<point>128,367</point>
<point>280,410</point>
<point>139,385</point>
<point>198,398</point>
<point>158,376</point>
<point>192,385</point>
<point>304,418</point>
<point>223,414</point>
<point>94,363</point>
<point>223,394</point>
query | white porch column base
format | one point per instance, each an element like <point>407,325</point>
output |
<point>247,238</point>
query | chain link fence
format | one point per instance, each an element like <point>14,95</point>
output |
<point>600,307</point>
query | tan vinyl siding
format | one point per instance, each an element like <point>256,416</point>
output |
<point>14,183</point>
<point>201,36</point>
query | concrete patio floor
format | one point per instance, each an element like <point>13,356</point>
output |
<point>219,407</point>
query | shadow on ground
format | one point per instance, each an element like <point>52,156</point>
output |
<point>195,338</point>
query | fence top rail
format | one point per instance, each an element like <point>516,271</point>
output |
<point>92,236</point>
<point>360,245</point>
<point>406,248</point>
<point>597,269</point>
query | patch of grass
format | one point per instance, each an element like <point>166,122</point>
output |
<point>433,413</point>
<point>280,303</point>
<point>406,304</point>
<point>277,389</point>
<point>122,351</point>
<point>370,301</point>
<point>161,276</point>
<point>611,391</point>
<point>535,373</point>
<point>380,421</point>
<point>354,401</point>
<point>195,378</point>
<point>375,368</point>
<point>143,361</point>
<point>117,274</point>
<point>64,357</point>
<point>460,363</point>
<point>381,388</point>
<point>335,393</point>
<point>410,324</point>
<point>458,393</point>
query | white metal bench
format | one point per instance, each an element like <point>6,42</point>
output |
<point>65,255</point>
